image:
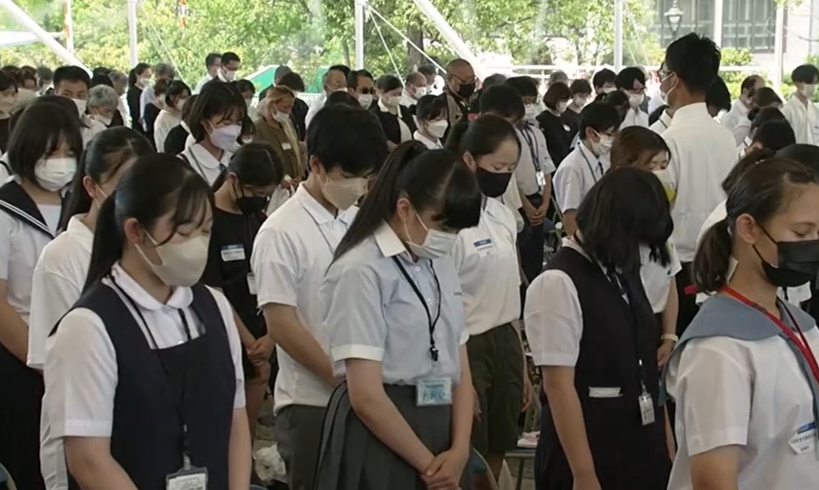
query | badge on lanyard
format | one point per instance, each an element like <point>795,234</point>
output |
<point>541,178</point>
<point>646,408</point>
<point>232,253</point>
<point>187,479</point>
<point>432,392</point>
<point>805,439</point>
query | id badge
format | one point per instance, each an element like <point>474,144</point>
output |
<point>646,409</point>
<point>805,439</point>
<point>541,178</point>
<point>251,283</point>
<point>433,392</point>
<point>190,479</point>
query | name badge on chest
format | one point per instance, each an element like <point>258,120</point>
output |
<point>805,439</point>
<point>484,246</point>
<point>646,409</point>
<point>187,479</point>
<point>232,253</point>
<point>432,392</point>
<point>287,146</point>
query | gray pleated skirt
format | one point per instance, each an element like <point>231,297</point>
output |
<point>352,458</point>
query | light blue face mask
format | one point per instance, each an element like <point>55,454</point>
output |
<point>225,137</point>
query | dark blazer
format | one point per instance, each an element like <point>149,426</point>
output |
<point>175,141</point>
<point>299,116</point>
<point>133,95</point>
<point>389,122</point>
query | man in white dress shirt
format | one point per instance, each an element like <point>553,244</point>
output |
<point>334,80</point>
<point>800,110</point>
<point>632,81</point>
<point>162,71</point>
<point>415,87</point>
<point>213,61</point>
<point>702,151</point>
<point>744,104</point>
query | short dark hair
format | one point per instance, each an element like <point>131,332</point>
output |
<point>100,71</point>
<point>347,137</point>
<point>281,71</point>
<point>230,56</point>
<point>293,81</point>
<point>255,164</point>
<point>388,83</point>
<point>7,82</point>
<point>599,116</point>
<point>805,74</point>
<point>765,96</point>
<point>175,89</point>
<point>775,135</point>
<point>430,107</point>
<point>556,93</point>
<point>503,101</point>
<point>101,80</point>
<point>216,98</point>
<point>526,86</point>
<point>805,154</point>
<point>603,77</point>
<point>341,97</point>
<point>695,60</point>
<point>620,101</point>
<point>245,85</point>
<point>342,68</point>
<point>136,72</point>
<point>44,73</point>
<point>749,82</point>
<point>428,70</point>
<point>212,59</point>
<point>764,115</point>
<point>627,76</point>
<point>481,137</point>
<point>627,208</point>
<point>495,79</point>
<point>718,95</point>
<point>38,133</point>
<point>71,74</point>
<point>431,179</point>
<point>580,86</point>
<point>352,78</point>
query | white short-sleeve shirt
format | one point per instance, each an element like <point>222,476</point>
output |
<point>511,199</point>
<point>578,173</point>
<point>804,120</point>
<point>657,277</point>
<point>431,144</point>
<point>635,117</point>
<point>163,125</point>
<point>532,149</point>
<point>661,124</point>
<point>92,128</point>
<point>751,394</point>
<point>489,251</point>
<point>205,163</point>
<point>291,254</point>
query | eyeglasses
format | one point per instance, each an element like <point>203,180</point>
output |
<point>366,91</point>
<point>471,80</point>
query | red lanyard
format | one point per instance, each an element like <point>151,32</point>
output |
<point>801,342</point>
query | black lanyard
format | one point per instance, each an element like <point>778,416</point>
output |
<point>589,164</point>
<point>180,403</point>
<point>433,351</point>
<point>534,151</point>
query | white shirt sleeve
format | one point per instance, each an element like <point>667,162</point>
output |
<point>6,225</point>
<point>52,295</point>
<point>713,388</point>
<point>671,174</point>
<point>553,320</point>
<point>81,377</point>
<point>275,263</point>
<point>547,166</point>
<point>235,345</point>
<point>568,187</point>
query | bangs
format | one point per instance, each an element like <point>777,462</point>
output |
<point>234,112</point>
<point>462,203</point>
<point>191,201</point>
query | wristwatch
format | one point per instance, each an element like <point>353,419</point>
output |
<point>671,337</point>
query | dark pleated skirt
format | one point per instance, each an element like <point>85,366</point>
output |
<point>352,458</point>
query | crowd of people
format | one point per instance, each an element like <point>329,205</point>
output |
<point>170,255</point>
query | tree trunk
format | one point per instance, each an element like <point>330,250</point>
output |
<point>346,47</point>
<point>415,33</point>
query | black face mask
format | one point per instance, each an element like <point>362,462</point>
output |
<point>251,204</point>
<point>798,263</point>
<point>466,90</point>
<point>493,184</point>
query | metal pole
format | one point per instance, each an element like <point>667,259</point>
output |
<point>618,35</point>
<point>69,27</point>
<point>779,47</point>
<point>452,37</point>
<point>132,32</point>
<point>718,19</point>
<point>44,37</point>
<point>360,5</point>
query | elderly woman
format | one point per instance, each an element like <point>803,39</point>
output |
<point>103,103</point>
<point>274,126</point>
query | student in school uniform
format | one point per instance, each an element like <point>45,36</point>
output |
<point>396,119</point>
<point>216,123</point>
<point>430,114</point>
<point>587,163</point>
<point>61,270</point>
<point>557,132</point>
<point>581,95</point>
<point>240,197</point>
<point>593,334</point>
<point>43,152</point>
<point>393,312</point>
<point>800,110</point>
<point>632,82</point>
<point>73,83</point>
<point>291,253</point>
<point>499,375</point>
<point>144,382</point>
<point>761,117</point>
<point>744,376</point>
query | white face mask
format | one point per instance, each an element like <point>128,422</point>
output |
<point>105,121</point>
<point>345,192</point>
<point>7,103</point>
<point>365,100</point>
<point>180,104</point>
<point>225,137</point>
<point>145,81</point>
<point>438,128</point>
<point>603,146</point>
<point>55,173</point>
<point>420,92</point>
<point>182,263</point>
<point>281,117</point>
<point>436,245</point>
<point>81,106</point>
<point>531,112</point>
<point>608,90</point>
<point>579,101</point>
<point>391,102</point>
<point>808,90</point>
<point>229,75</point>
<point>562,106</point>
<point>635,99</point>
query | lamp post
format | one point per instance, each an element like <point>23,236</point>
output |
<point>674,18</point>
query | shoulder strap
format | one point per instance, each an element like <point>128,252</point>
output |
<point>206,308</point>
<point>16,202</point>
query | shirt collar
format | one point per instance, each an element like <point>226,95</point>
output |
<point>388,242</point>
<point>81,233</point>
<point>318,212</point>
<point>204,157</point>
<point>691,112</point>
<point>665,118</point>
<point>386,109</point>
<point>180,297</point>
<point>740,107</point>
<point>430,143</point>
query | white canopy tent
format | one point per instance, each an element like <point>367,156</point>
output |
<point>10,39</point>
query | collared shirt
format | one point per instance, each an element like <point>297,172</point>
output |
<point>202,83</point>
<point>431,144</point>
<point>488,250</point>
<point>511,199</point>
<point>578,173</point>
<point>163,125</point>
<point>92,128</point>
<point>661,124</point>
<point>702,154</point>
<point>205,163</point>
<point>635,117</point>
<point>81,366</point>
<point>408,100</point>
<point>742,130</point>
<point>371,311</point>
<point>316,106</point>
<point>406,135</point>
<point>738,112</point>
<point>148,97</point>
<point>57,284</point>
<point>657,277</point>
<point>291,254</point>
<point>804,120</point>
<point>743,147</point>
<point>534,158</point>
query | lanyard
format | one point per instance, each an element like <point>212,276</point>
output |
<point>433,350</point>
<point>534,151</point>
<point>801,342</point>
<point>180,403</point>
<point>589,163</point>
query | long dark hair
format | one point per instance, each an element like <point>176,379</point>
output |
<point>761,191</point>
<point>625,209</point>
<point>430,179</point>
<point>255,164</point>
<point>155,185</point>
<point>101,160</point>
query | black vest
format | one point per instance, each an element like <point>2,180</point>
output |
<point>626,454</point>
<point>146,438</point>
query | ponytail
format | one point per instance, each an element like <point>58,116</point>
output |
<point>456,136</point>
<point>108,243</point>
<point>713,258</point>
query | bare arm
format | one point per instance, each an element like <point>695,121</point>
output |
<point>463,405</point>
<point>672,308</point>
<point>91,464</point>
<point>239,458</point>
<point>379,414</point>
<point>547,190</point>
<point>13,330</point>
<point>289,334</point>
<point>570,222</point>
<point>716,469</point>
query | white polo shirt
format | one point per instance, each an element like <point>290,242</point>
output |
<point>657,277</point>
<point>661,124</point>
<point>205,164</point>
<point>316,106</point>
<point>742,130</point>
<point>754,395</point>
<point>489,251</point>
<point>578,173</point>
<point>81,373</point>
<point>804,120</point>
<point>57,284</point>
<point>732,118</point>
<point>511,199</point>
<point>291,254</point>
<point>534,155</point>
<point>431,144</point>
<point>635,117</point>
<point>702,154</point>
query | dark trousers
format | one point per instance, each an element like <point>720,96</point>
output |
<point>530,243</point>
<point>688,302</point>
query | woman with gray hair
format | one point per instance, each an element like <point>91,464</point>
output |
<point>103,103</point>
